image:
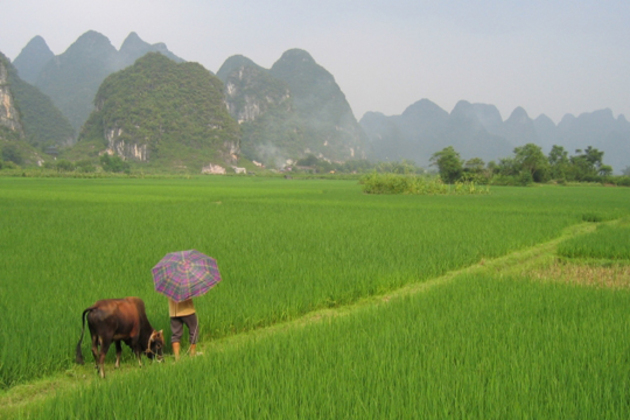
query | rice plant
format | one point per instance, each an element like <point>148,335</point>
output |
<point>284,248</point>
<point>611,242</point>
<point>478,347</point>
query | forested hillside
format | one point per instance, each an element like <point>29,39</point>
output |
<point>163,113</point>
<point>29,120</point>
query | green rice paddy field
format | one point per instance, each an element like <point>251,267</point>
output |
<point>482,345</point>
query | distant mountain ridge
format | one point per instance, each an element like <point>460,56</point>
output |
<point>32,59</point>
<point>291,110</point>
<point>477,130</point>
<point>72,78</point>
<point>296,108</point>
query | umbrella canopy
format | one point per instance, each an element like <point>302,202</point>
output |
<point>185,274</point>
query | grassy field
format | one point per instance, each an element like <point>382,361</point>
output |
<point>479,347</point>
<point>285,248</point>
<point>610,242</point>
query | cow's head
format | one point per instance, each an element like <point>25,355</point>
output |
<point>156,344</point>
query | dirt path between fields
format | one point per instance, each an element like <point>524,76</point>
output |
<point>519,262</point>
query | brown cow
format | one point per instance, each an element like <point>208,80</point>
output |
<point>120,320</point>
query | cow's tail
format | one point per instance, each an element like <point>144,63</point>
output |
<point>79,358</point>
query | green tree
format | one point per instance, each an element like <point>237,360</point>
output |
<point>404,167</point>
<point>64,165</point>
<point>474,165</point>
<point>85,166</point>
<point>507,167</point>
<point>530,158</point>
<point>594,156</point>
<point>310,160</point>
<point>474,171</point>
<point>586,164</point>
<point>11,153</point>
<point>449,164</point>
<point>558,159</point>
<point>113,164</point>
<point>605,170</point>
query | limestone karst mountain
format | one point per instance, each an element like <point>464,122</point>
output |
<point>465,132</point>
<point>133,48</point>
<point>601,130</point>
<point>14,149</point>
<point>294,109</point>
<point>415,133</point>
<point>250,90</point>
<point>386,141</point>
<point>72,78</point>
<point>32,59</point>
<point>291,110</point>
<point>477,130</point>
<point>424,128</point>
<point>164,114</point>
<point>29,113</point>
<point>10,121</point>
<point>546,130</point>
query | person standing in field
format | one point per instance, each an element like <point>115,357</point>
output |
<point>183,313</point>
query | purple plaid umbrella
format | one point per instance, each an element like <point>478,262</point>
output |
<point>185,274</point>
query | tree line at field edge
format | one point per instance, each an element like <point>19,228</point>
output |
<point>529,165</point>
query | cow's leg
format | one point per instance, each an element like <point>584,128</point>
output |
<point>105,343</point>
<point>118,353</point>
<point>134,343</point>
<point>95,342</point>
<point>139,356</point>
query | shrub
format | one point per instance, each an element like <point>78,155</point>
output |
<point>8,165</point>
<point>64,166</point>
<point>114,164</point>
<point>622,181</point>
<point>376,183</point>
<point>11,153</point>
<point>85,166</point>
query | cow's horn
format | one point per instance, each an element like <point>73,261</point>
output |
<point>151,338</point>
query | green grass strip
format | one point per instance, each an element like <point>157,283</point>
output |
<point>23,398</point>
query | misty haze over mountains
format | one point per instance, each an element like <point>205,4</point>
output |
<point>296,108</point>
<point>291,110</point>
<point>477,130</point>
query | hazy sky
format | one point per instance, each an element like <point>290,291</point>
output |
<point>552,57</point>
